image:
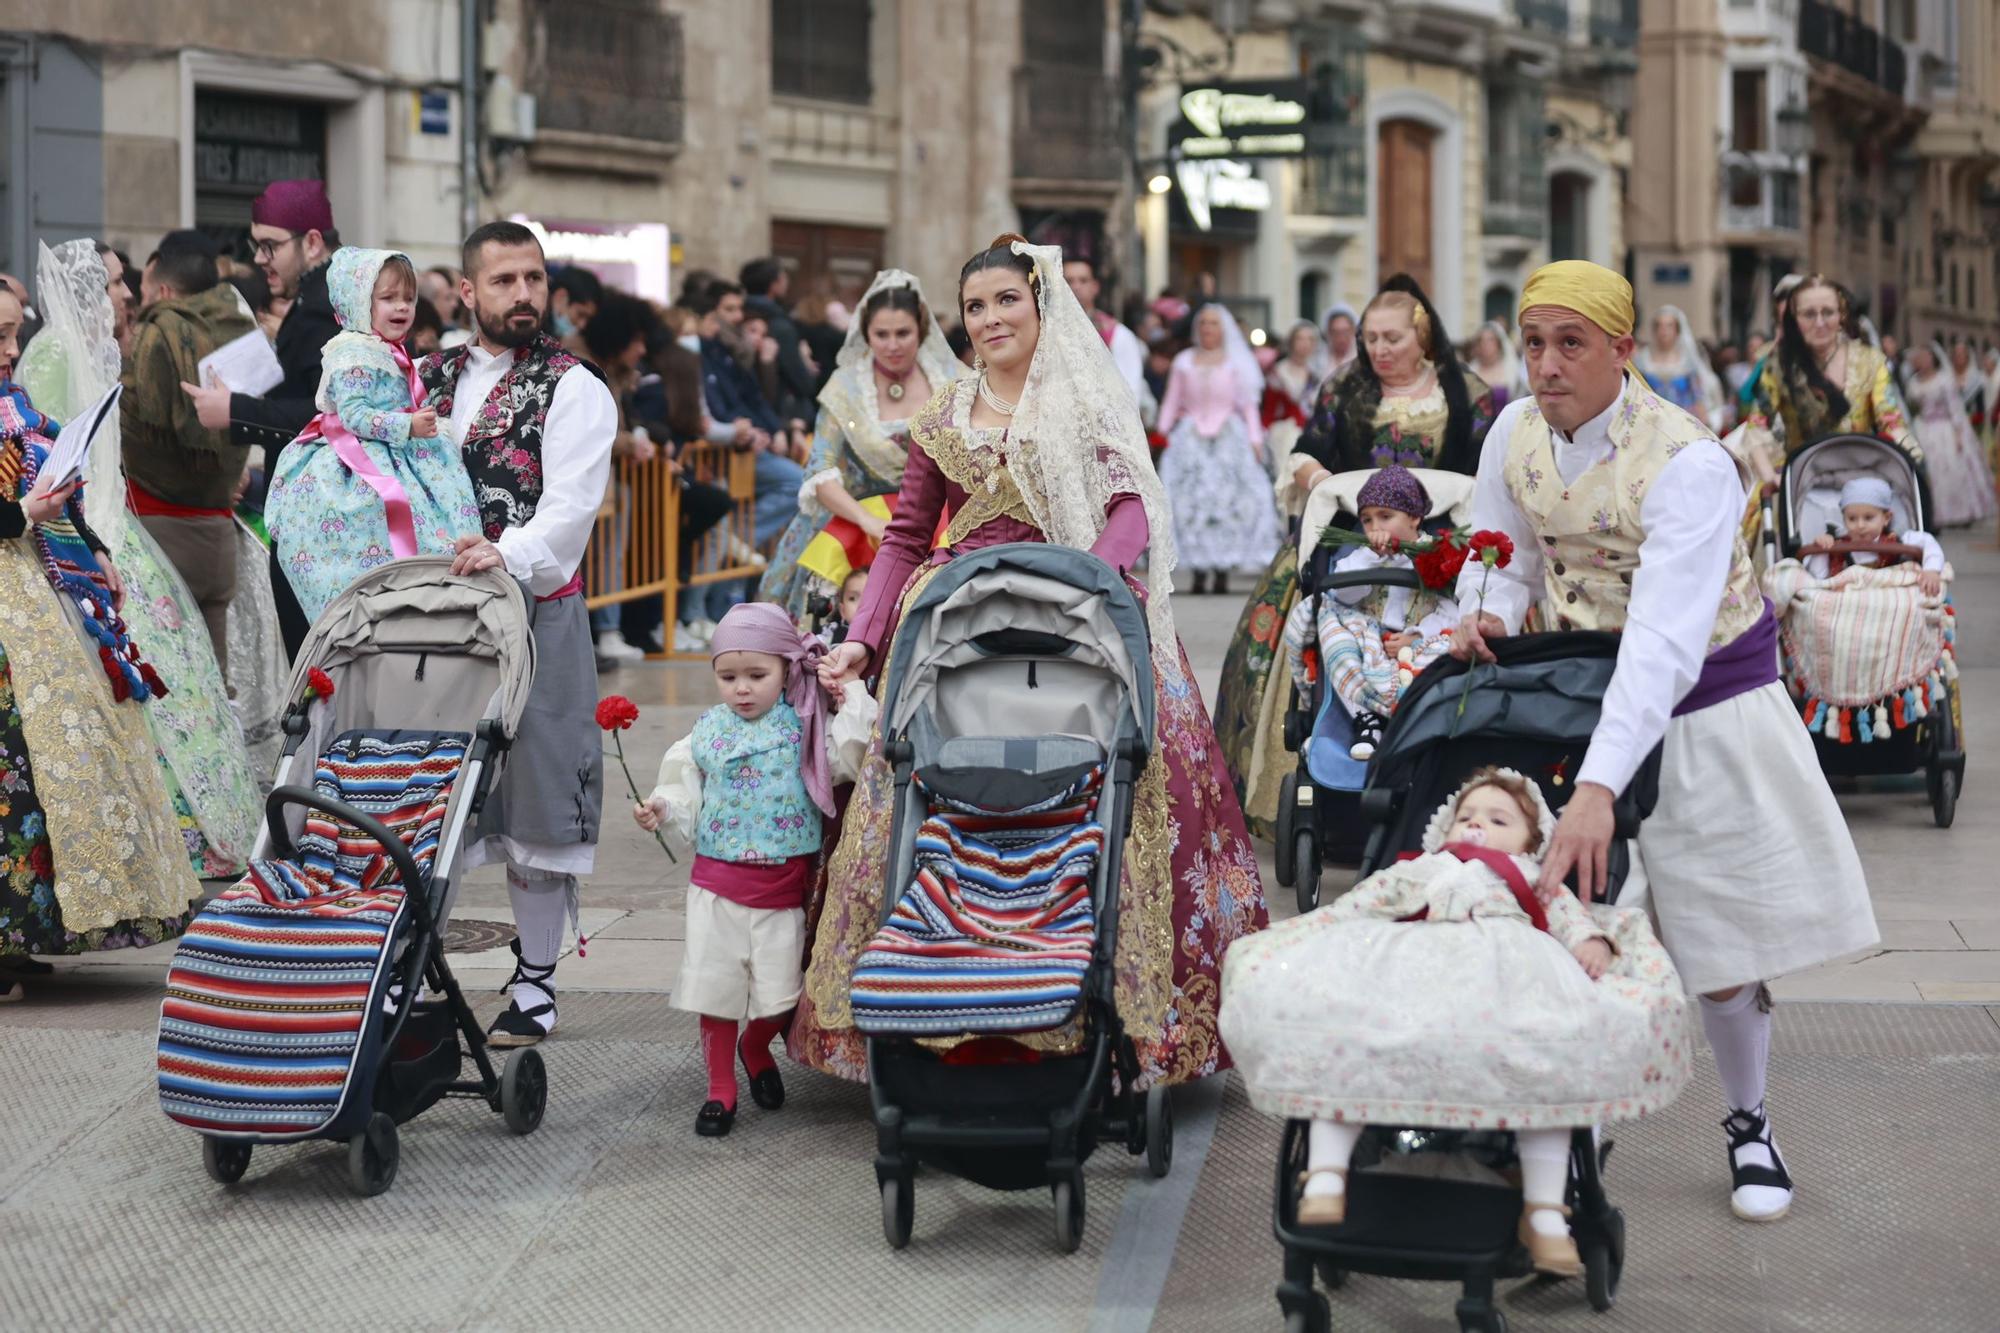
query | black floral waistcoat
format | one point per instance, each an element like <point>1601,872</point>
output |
<point>503,443</point>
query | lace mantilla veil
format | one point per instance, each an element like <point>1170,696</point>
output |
<point>1076,441</point>
<point>73,362</point>
<point>934,354</point>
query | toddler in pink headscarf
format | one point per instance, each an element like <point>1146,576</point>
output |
<point>748,788</point>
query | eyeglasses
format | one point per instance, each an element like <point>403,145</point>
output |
<point>1819,316</point>
<point>265,249</point>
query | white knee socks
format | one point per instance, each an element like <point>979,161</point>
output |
<point>1544,1155</point>
<point>1329,1143</point>
<point>541,901</point>
<point>1739,1032</point>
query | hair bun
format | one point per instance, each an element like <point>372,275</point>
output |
<point>1007,238</point>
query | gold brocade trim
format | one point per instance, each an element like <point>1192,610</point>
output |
<point>1424,415</point>
<point>978,467</point>
<point>117,848</point>
<point>858,412</point>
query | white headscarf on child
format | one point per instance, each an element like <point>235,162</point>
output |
<point>1872,491</point>
<point>1440,825</point>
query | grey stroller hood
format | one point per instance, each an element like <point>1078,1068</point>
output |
<point>1063,608</point>
<point>1810,503</point>
<point>470,632</point>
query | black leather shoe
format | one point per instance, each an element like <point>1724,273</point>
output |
<point>714,1120</point>
<point>767,1089</point>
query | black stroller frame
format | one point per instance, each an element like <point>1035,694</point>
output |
<point>1015,1126</point>
<point>1408,1226</point>
<point>405,1088</point>
<point>407,1061</point>
<point>1933,745</point>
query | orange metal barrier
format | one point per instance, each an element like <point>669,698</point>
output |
<point>634,550</point>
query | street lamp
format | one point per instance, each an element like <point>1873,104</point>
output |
<point>1794,129</point>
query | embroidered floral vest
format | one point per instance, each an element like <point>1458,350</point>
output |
<point>1591,530</point>
<point>754,805</point>
<point>503,444</point>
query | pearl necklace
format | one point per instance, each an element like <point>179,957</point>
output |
<point>995,401</point>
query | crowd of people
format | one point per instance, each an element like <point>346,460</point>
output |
<point>476,412</point>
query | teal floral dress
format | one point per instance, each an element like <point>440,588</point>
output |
<point>328,523</point>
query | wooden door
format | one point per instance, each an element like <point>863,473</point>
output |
<point>1403,168</point>
<point>845,257</point>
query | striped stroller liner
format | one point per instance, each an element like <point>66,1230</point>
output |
<point>273,983</point>
<point>997,930</point>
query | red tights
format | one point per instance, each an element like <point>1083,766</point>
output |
<point>719,1050</point>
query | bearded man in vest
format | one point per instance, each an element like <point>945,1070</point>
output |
<point>536,427</point>
<point>1625,515</point>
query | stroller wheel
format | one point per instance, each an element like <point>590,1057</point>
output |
<point>1068,1198</point>
<point>1306,870</point>
<point>372,1156</point>
<point>1944,795</point>
<point>899,1211</point>
<point>1604,1262</point>
<point>1480,1317</point>
<point>1317,1317</point>
<point>1331,1275</point>
<point>1288,795</point>
<point>225,1160</point>
<point>524,1090</point>
<point>1159,1131</point>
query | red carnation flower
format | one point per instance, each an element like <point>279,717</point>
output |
<point>616,713</point>
<point>319,685</point>
<point>41,861</point>
<point>1493,548</point>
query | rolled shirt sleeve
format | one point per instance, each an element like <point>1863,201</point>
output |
<point>544,552</point>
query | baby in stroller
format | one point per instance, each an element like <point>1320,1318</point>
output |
<point>748,788</point>
<point>1446,991</point>
<point>1373,639</point>
<point>1868,514</point>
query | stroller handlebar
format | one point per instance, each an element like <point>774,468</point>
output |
<point>397,850</point>
<point>1371,578</point>
<point>1844,547</point>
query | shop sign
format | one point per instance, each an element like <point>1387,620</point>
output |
<point>1220,183</point>
<point>241,144</point>
<point>1261,118</point>
<point>636,255</point>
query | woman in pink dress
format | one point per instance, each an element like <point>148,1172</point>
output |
<point>1044,445</point>
<point>1213,469</point>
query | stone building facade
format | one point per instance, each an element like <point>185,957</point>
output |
<point>645,136</point>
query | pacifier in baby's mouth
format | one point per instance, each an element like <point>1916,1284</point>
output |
<point>1475,836</point>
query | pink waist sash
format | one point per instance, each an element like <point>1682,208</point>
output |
<point>328,426</point>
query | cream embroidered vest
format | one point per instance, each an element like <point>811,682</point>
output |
<point>1591,530</point>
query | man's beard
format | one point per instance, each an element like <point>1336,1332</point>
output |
<point>502,332</point>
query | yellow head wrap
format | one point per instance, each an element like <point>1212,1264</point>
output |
<point>1593,291</point>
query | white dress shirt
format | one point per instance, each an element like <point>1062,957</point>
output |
<point>1690,514</point>
<point>544,552</point>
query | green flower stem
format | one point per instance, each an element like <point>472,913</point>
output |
<point>633,788</point>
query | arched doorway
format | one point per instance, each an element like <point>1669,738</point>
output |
<point>1313,287</point>
<point>1569,215</point>
<point>1405,203</point>
<point>1499,304</point>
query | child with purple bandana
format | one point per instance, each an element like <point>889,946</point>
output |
<point>1373,640</point>
<point>748,788</point>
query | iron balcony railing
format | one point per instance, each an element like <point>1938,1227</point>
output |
<point>1544,15</point>
<point>1066,125</point>
<point>1614,23</point>
<point>1335,183</point>
<point>1839,38</point>
<point>609,67</point>
<point>1516,195</point>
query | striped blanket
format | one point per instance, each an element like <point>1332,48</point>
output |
<point>996,932</point>
<point>1866,653</point>
<point>273,982</point>
<point>1352,657</point>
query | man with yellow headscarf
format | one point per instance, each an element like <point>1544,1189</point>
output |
<point>1624,512</point>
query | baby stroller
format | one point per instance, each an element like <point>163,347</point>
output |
<point>1017,714</point>
<point>1876,681</point>
<point>1438,1204</point>
<point>1318,805</point>
<point>313,1001</point>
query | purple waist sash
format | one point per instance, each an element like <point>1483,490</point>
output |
<point>1747,662</point>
